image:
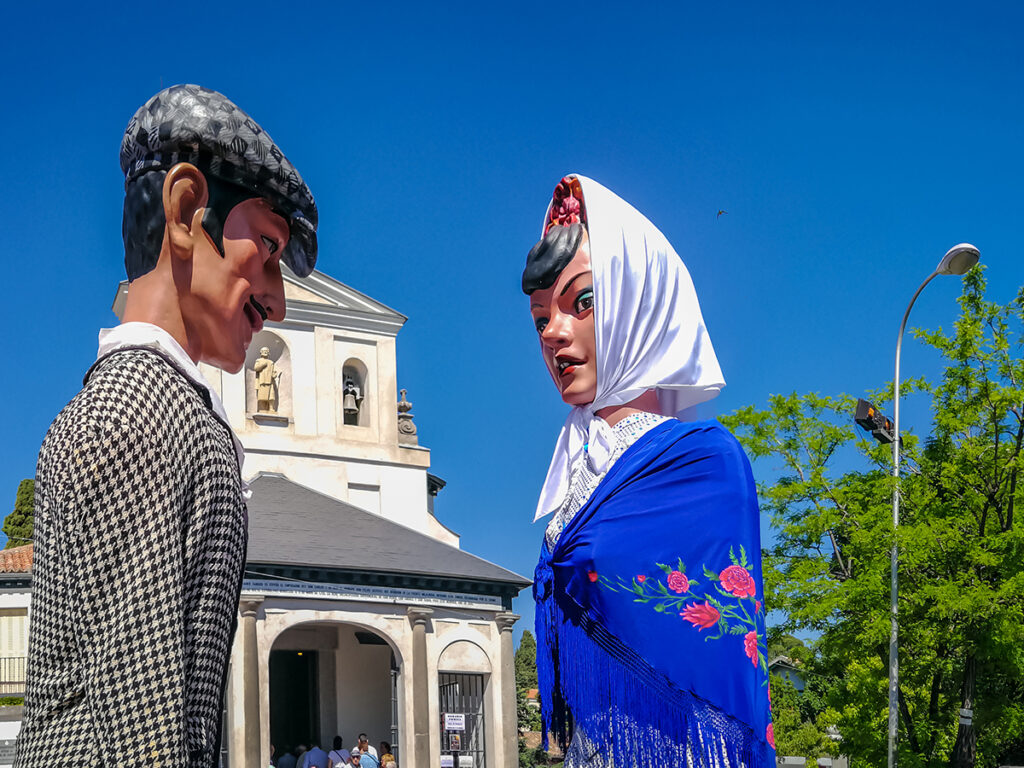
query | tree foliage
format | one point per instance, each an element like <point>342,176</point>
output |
<point>798,733</point>
<point>961,546</point>
<point>18,523</point>
<point>526,678</point>
<point>526,662</point>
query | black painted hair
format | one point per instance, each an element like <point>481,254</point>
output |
<point>548,258</point>
<point>143,222</point>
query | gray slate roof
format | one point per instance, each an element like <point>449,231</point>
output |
<point>291,524</point>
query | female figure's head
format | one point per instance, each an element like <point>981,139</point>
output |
<point>560,284</point>
<point>614,308</point>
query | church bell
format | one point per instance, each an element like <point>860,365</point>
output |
<point>349,403</point>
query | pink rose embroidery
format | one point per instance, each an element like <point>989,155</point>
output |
<point>592,575</point>
<point>701,616</point>
<point>757,606</point>
<point>750,646</point>
<point>737,579</point>
<point>678,582</point>
<point>641,578</point>
<point>770,735</point>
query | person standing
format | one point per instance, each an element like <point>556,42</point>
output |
<point>337,755</point>
<point>287,760</point>
<point>364,746</point>
<point>315,758</point>
<point>140,522</point>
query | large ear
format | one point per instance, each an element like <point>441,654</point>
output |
<point>185,195</point>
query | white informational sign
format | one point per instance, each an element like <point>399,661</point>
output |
<point>394,595</point>
<point>454,722</point>
<point>447,761</point>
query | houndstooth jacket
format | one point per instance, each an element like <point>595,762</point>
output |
<point>140,537</point>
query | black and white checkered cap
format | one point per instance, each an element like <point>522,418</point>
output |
<point>192,124</point>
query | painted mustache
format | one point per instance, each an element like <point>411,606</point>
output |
<point>258,307</point>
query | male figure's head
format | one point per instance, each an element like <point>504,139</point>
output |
<point>211,208</point>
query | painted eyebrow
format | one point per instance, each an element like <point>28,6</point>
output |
<point>569,284</point>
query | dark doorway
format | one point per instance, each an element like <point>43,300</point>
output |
<point>294,698</point>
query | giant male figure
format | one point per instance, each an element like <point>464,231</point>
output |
<point>140,521</point>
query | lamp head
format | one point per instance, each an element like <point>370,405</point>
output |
<point>958,260</point>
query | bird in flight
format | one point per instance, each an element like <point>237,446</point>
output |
<point>719,214</point>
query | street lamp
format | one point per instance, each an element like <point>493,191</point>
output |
<point>957,261</point>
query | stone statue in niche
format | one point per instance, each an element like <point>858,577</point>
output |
<point>267,378</point>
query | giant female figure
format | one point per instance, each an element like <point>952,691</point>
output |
<point>650,614</point>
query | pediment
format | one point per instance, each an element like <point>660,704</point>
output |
<point>321,300</point>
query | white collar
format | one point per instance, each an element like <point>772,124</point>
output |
<point>137,334</point>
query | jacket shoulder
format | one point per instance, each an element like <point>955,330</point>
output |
<point>133,392</point>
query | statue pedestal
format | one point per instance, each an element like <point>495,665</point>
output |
<point>275,419</point>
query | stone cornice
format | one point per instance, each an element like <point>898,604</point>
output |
<point>425,582</point>
<point>506,621</point>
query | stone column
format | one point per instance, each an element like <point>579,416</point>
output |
<point>420,618</point>
<point>252,756</point>
<point>509,720</point>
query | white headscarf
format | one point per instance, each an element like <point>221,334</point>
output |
<point>648,329</point>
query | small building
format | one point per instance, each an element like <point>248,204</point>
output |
<point>787,669</point>
<point>359,610</point>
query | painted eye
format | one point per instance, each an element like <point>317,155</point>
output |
<point>585,300</point>
<point>271,244</point>
<point>540,323</point>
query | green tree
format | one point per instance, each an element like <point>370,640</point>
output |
<point>795,734</point>
<point>526,661</point>
<point>782,644</point>
<point>961,547</point>
<point>18,524</point>
<point>526,678</point>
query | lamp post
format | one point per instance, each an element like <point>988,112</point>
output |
<point>957,261</point>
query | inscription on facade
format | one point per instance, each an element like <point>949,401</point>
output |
<point>362,593</point>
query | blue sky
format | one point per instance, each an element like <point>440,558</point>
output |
<point>851,145</point>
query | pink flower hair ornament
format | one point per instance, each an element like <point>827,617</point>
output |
<point>566,205</point>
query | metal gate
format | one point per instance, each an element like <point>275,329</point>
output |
<point>395,735</point>
<point>462,720</point>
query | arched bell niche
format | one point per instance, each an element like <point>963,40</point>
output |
<point>353,394</point>
<point>282,390</point>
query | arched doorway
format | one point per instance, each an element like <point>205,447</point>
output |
<point>332,679</point>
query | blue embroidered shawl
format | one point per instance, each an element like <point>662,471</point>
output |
<point>650,621</point>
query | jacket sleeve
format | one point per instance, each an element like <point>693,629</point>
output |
<point>121,506</point>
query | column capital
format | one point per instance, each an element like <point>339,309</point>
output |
<point>506,621</point>
<point>419,615</point>
<point>250,604</point>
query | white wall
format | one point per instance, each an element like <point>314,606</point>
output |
<point>363,689</point>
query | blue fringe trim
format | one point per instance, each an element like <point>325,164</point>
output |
<point>593,686</point>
